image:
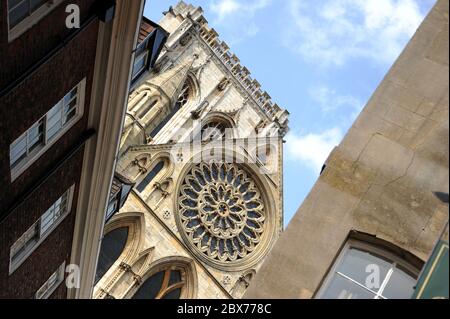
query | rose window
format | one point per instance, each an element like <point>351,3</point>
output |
<point>221,211</point>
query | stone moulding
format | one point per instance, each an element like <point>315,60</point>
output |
<point>211,196</point>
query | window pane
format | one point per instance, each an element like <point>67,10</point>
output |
<point>159,38</point>
<point>47,219</point>
<point>52,130</point>
<point>400,285</point>
<point>151,287</point>
<point>25,241</point>
<point>35,135</point>
<point>54,120</point>
<point>174,294</point>
<point>111,208</point>
<point>112,246</point>
<point>139,64</point>
<point>175,277</point>
<point>342,288</point>
<point>69,96</point>
<point>54,110</point>
<point>17,14</point>
<point>359,265</point>
<point>18,149</point>
<point>35,4</point>
<point>52,215</point>
<point>68,107</point>
<point>70,115</point>
<point>13,3</point>
<point>61,205</point>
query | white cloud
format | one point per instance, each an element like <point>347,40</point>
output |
<point>312,149</point>
<point>237,16</point>
<point>329,32</point>
<point>226,8</point>
<point>331,101</point>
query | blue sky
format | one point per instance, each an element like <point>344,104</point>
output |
<point>320,59</point>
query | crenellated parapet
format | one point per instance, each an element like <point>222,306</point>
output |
<point>221,50</point>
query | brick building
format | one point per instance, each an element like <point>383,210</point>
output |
<point>63,94</point>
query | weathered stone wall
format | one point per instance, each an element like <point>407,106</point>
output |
<point>382,178</point>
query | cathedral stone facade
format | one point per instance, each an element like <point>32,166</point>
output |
<point>203,145</point>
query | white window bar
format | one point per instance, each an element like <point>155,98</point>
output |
<point>36,140</point>
<point>38,232</point>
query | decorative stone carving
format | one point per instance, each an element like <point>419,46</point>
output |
<point>185,39</point>
<point>196,114</point>
<point>167,214</point>
<point>226,280</point>
<point>242,283</point>
<point>260,126</point>
<point>221,211</point>
<point>223,84</point>
<point>169,11</point>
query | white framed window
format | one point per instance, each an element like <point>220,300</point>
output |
<point>54,213</point>
<point>38,232</point>
<point>52,283</point>
<point>23,14</point>
<point>61,114</point>
<point>139,64</point>
<point>40,136</point>
<point>366,271</point>
<point>25,243</point>
<point>26,143</point>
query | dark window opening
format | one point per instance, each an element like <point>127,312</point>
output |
<point>112,247</point>
<point>150,176</point>
<point>166,284</point>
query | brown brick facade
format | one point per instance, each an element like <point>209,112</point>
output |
<point>25,280</point>
<point>34,97</point>
<point>36,42</point>
<point>22,106</point>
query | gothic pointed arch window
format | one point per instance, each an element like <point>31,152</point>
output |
<point>183,98</point>
<point>213,131</point>
<point>216,126</point>
<point>157,168</point>
<point>165,284</point>
<point>167,278</point>
<point>122,240</point>
<point>146,109</point>
<point>186,94</point>
<point>113,244</point>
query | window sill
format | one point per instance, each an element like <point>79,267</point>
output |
<point>13,266</point>
<point>37,153</point>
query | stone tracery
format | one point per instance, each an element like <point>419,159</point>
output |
<point>221,211</point>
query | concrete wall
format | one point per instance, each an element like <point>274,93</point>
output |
<point>381,178</point>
